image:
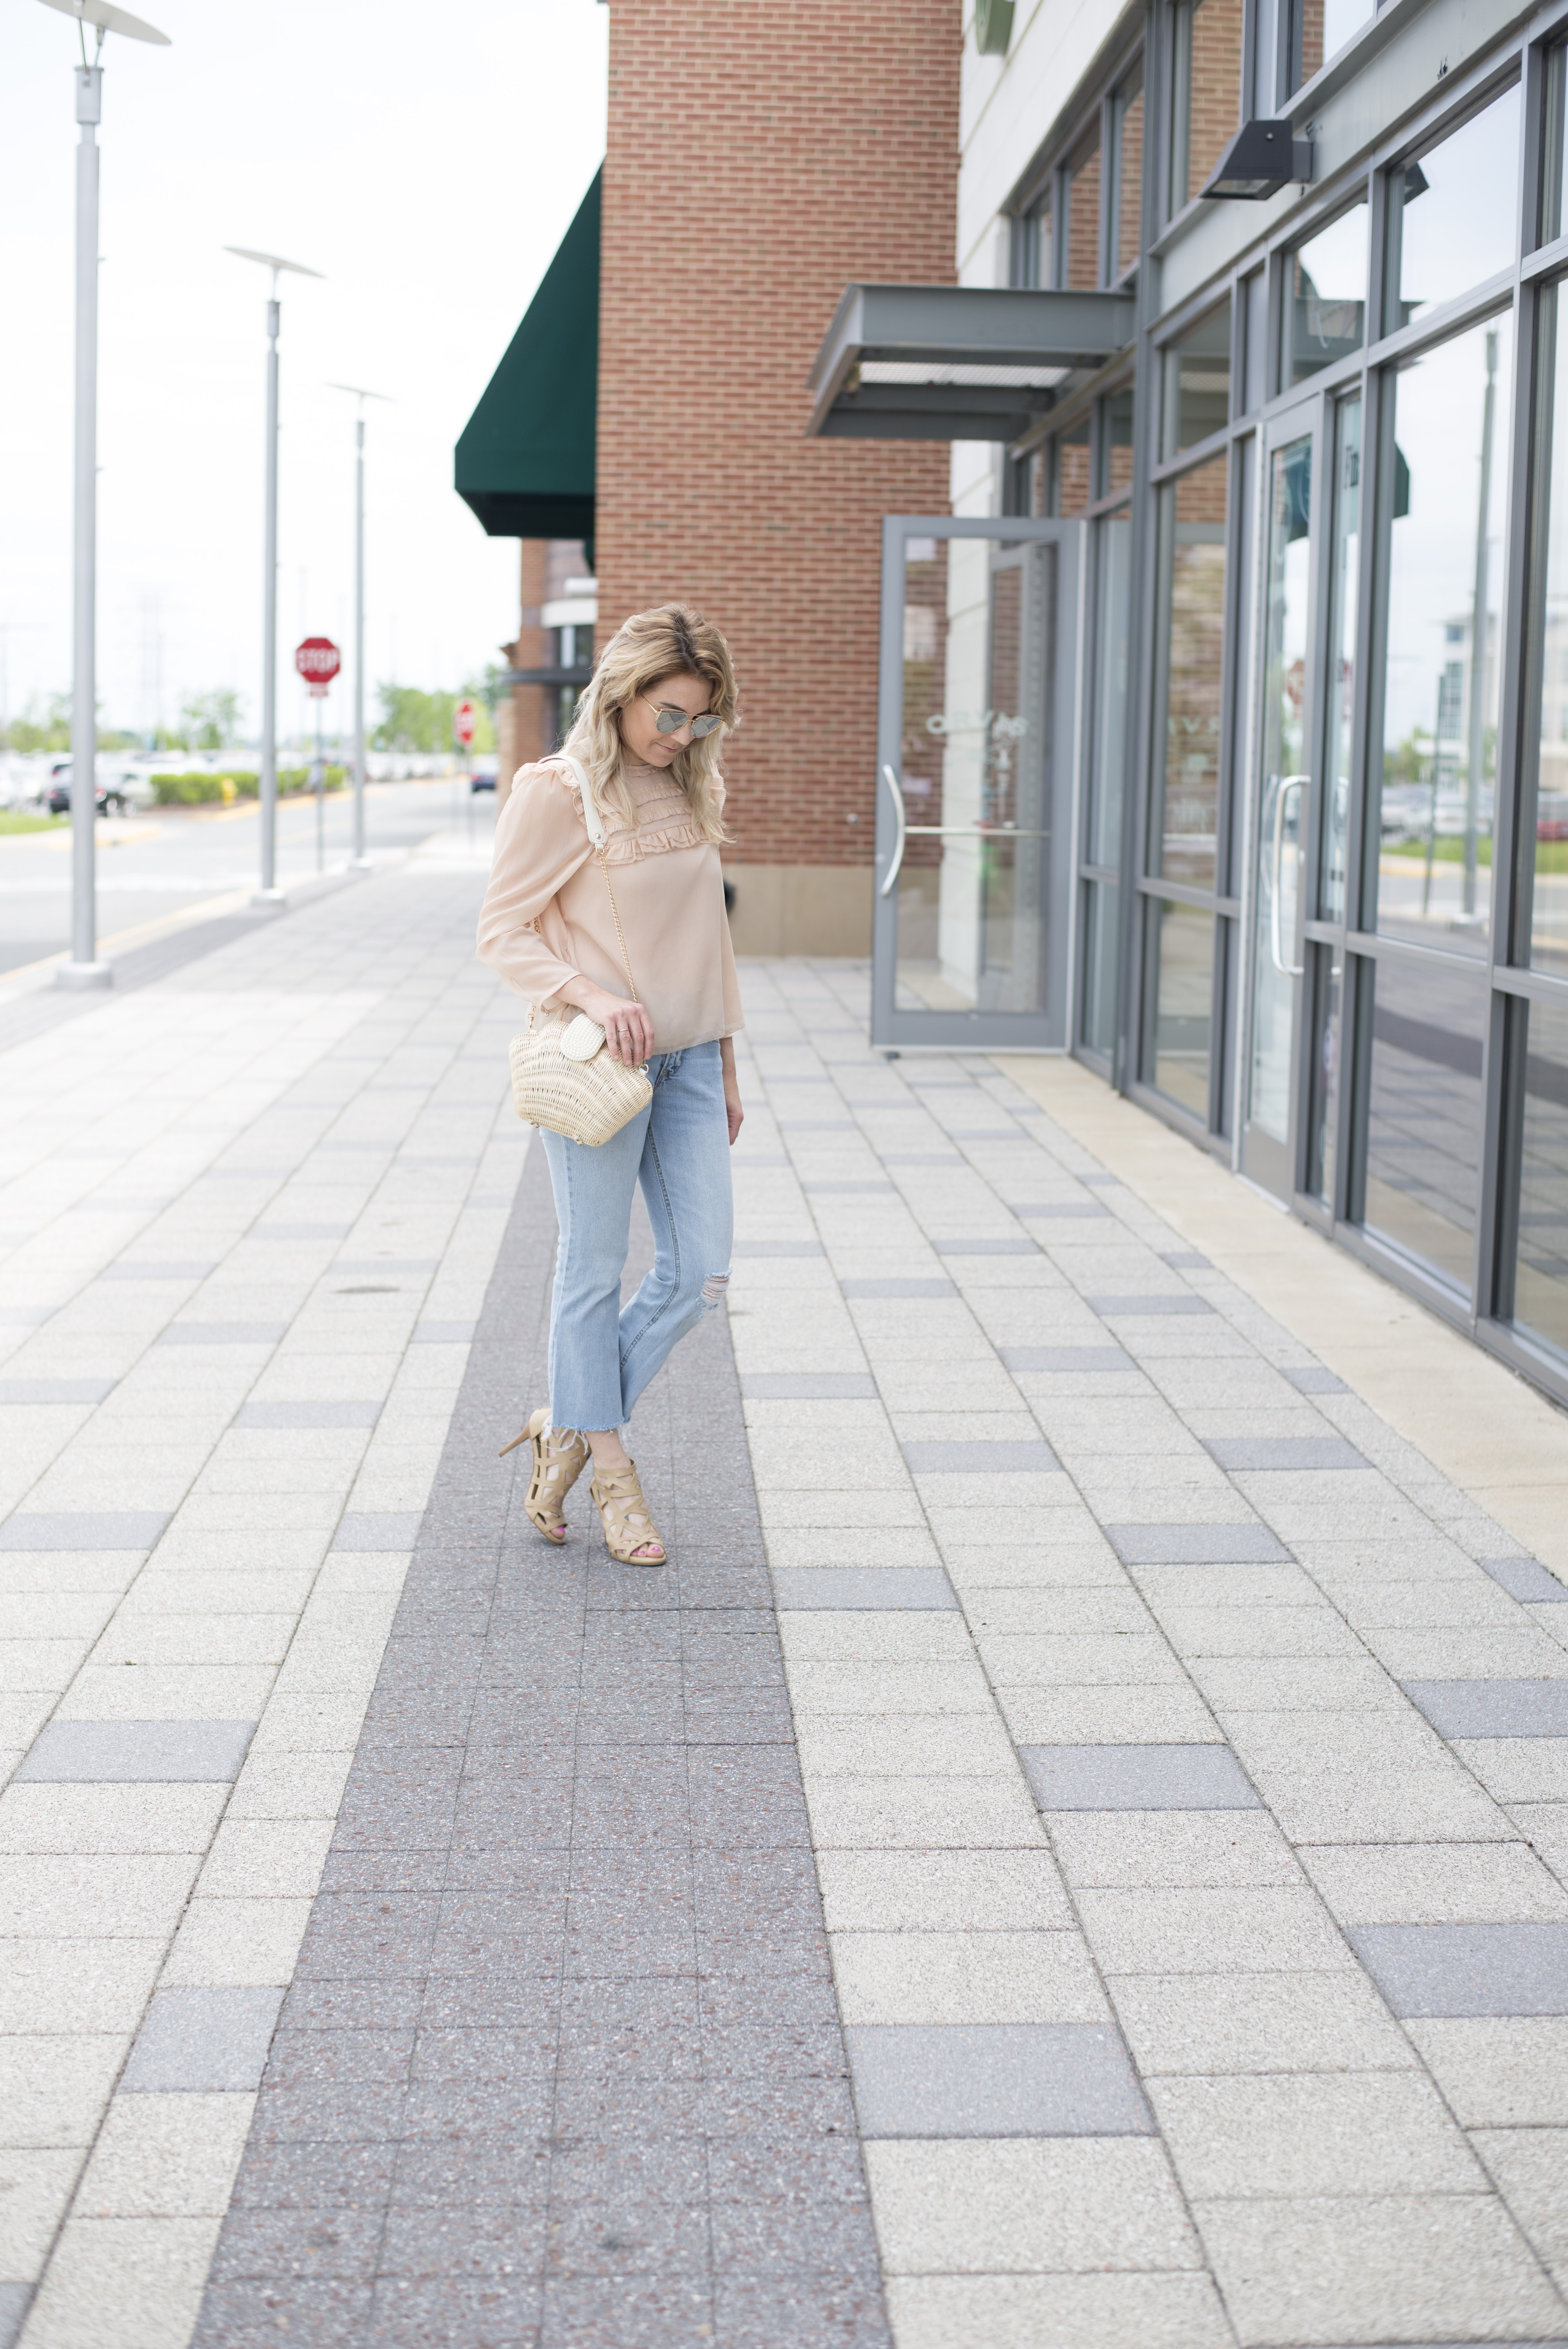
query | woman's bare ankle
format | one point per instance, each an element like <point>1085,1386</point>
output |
<point>609,1452</point>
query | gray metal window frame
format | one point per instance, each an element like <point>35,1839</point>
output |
<point>1525,54</point>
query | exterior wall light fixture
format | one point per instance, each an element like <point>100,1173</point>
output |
<point>1262,159</point>
<point>992,27</point>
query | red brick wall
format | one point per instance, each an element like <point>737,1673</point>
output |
<point>761,155</point>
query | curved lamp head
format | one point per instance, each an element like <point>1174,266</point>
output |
<point>109,20</point>
<point>273,261</point>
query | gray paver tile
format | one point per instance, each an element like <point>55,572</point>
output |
<point>864,1587</point>
<point>1027,2206</point>
<point>981,1459</point>
<point>993,2081</point>
<point>83,1529</point>
<point>1375,2133</point>
<point>1467,1970</point>
<point>46,1390</point>
<point>1435,1884</point>
<point>1168,1847</point>
<point>1091,1361</point>
<point>307,1414</point>
<point>1271,1452</point>
<point>1527,1708</point>
<point>1312,1377</point>
<point>85,1751</point>
<point>222,1333</point>
<point>1058,2312</point>
<point>196,2040</point>
<point>1148,1308</point>
<point>1138,1778</point>
<point>1499,2071</point>
<point>388,1529</point>
<point>927,1289</point>
<point>809,1386</point>
<point>1521,1577</point>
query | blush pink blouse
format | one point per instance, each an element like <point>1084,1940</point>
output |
<point>547,917</point>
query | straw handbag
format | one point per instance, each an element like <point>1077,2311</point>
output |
<point>562,1077</point>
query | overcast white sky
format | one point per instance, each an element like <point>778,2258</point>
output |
<point>427,160</point>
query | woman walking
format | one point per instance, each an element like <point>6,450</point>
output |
<point>636,936</point>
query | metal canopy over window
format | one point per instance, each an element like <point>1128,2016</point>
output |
<point>955,362</point>
<point>525,460</point>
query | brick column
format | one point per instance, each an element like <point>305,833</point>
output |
<point>759,158</point>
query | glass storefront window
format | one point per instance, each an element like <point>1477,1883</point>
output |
<point>1183,1003</point>
<point>1282,825</point>
<point>1192,628</point>
<point>1102,916</point>
<point>1128,114</point>
<point>1113,616</point>
<point>1318,28</point>
<point>1343,588</point>
<point>1039,246</point>
<point>1543,867</point>
<point>1206,92</point>
<point>1325,308</point>
<point>1116,443</point>
<point>1198,382</point>
<point>1081,274</point>
<point>1541,1275</point>
<point>1553,209</point>
<point>1424,1112</point>
<point>1323,1137</point>
<point>1070,488</point>
<point>1430,812</point>
<point>1453,214</point>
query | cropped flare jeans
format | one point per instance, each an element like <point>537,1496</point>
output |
<point>602,1355</point>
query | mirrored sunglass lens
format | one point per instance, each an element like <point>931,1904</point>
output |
<point>702,727</point>
<point>670,721</point>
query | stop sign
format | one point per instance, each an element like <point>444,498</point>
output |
<point>463,722</point>
<point>318,661</point>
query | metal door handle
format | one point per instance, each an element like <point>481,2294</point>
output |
<point>899,817</point>
<point>1285,969</point>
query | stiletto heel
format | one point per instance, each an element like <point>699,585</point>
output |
<point>624,1513</point>
<point>556,1468</point>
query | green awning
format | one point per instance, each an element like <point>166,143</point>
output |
<point>525,459</point>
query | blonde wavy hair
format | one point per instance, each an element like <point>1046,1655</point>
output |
<point>643,650</point>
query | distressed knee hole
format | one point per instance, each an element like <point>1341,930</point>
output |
<point>713,1291</point>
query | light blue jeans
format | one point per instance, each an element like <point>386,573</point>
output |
<point>601,1357</point>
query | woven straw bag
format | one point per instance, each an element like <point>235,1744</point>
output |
<point>562,1077</point>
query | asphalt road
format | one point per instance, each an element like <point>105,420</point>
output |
<point>172,860</point>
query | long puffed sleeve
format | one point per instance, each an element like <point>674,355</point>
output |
<point>541,842</point>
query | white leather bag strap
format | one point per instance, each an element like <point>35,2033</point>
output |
<point>590,815</point>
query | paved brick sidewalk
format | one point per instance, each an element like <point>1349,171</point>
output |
<point>1187,1758</point>
<point>1182,1755</point>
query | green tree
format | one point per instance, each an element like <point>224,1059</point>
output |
<point>43,725</point>
<point>415,720</point>
<point>210,721</point>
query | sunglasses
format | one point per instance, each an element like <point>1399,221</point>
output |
<point>670,721</point>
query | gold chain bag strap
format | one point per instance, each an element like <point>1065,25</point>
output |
<point>562,1077</point>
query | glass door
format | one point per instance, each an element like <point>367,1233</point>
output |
<point>976,754</point>
<point>1283,806</point>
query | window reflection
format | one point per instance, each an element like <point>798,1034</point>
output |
<point>1326,297</point>
<point>1429,851</point>
<point>1183,1003</point>
<point>1540,1278</point>
<point>1320,27</point>
<point>1544,869</point>
<point>1198,382</point>
<point>1102,913</point>
<point>1207,90</point>
<point>1113,618</point>
<point>1116,443</point>
<point>1452,215</point>
<point>1070,471</point>
<point>1424,1112</point>
<point>1082,243</point>
<point>1129,117</point>
<point>1192,548</point>
<point>1344,596</point>
<point>1281,821</point>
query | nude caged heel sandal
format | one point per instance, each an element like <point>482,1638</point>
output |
<point>624,1514</point>
<point>556,1468</point>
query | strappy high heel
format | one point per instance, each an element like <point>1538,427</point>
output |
<point>624,1514</point>
<point>556,1468</point>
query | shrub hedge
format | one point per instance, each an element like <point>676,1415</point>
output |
<point>201,790</point>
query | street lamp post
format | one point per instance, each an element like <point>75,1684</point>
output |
<point>84,968</point>
<point>361,395</point>
<point>269,894</point>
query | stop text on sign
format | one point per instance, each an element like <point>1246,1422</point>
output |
<point>318,661</point>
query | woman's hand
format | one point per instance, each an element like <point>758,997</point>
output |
<point>628,1030</point>
<point>732,1109</point>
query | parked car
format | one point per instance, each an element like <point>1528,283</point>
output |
<point>114,796</point>
<point>482,782</point>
